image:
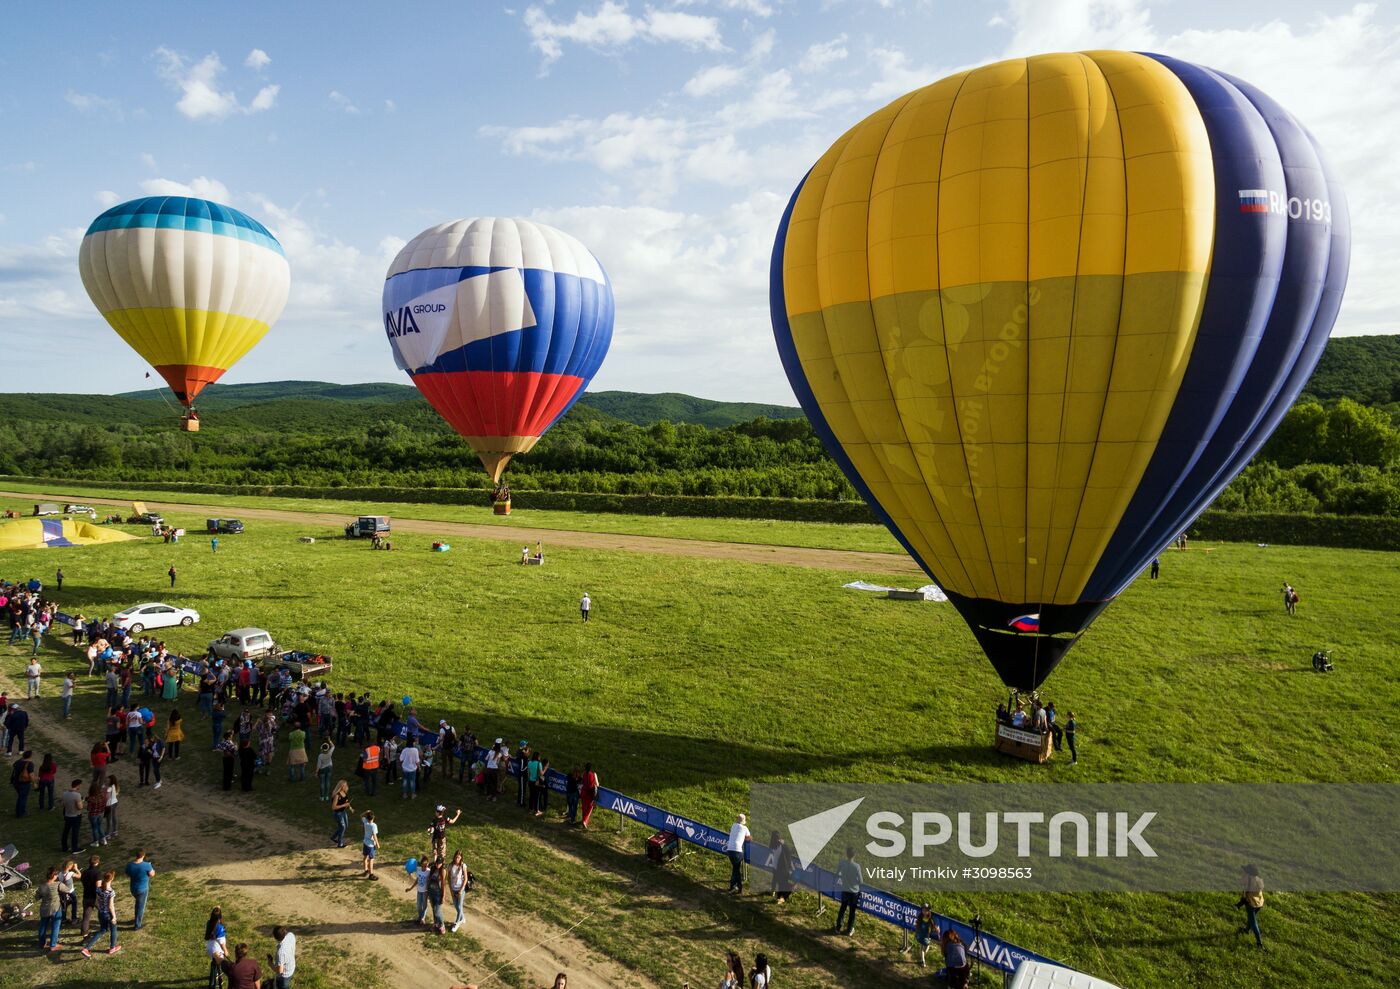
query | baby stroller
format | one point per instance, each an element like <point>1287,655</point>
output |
<point>16,890</point>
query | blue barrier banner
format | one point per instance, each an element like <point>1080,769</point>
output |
<point>62,618</point>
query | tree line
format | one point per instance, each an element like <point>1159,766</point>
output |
<point>1341,458</point>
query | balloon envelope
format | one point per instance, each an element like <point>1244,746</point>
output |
<point>191,285</point>
<point>501,324</point>
<point>1042,311</point>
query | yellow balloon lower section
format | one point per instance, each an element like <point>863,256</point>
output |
<point>165,336</point>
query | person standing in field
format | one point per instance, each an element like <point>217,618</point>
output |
<point>457,886</point>
<point>66,693</point>
<point>735,848</point>
<point>106,900</point>
<point>214,545</point>
<point>171,574</point>
<point>340,812</point>
<point>58,579</point>
<point>215,946</point>
<point>140,872</point>
<point>34,671</point>
<point>1252,899</point>
<point>1071,726</point>
<point>370,845</point>
<point>284,962</point>
<point>588,793</point>
<point>848,880</point>
<point>585,605</point>
<point>1156,567</point>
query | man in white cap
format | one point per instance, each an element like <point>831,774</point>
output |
<point>585,605</point>
<point>735,848</point>
<point>438,830</point>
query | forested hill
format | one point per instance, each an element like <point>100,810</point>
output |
<point>1363,369</point>
<point>634,407</point>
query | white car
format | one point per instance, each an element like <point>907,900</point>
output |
<point>136,620</point>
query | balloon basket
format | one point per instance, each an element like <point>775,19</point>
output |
<point>190,423</point>
<point>501,507</point>
<point>1033,746</point>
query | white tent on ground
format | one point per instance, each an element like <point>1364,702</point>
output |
<point>1039,975</point>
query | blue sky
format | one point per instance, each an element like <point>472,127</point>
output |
<point>665,135</point>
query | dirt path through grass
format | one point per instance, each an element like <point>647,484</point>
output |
<point>287,874</point>
<point>793,556</point>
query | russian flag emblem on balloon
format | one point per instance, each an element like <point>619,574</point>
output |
<point>1026,623</point>
<point>501,324</point>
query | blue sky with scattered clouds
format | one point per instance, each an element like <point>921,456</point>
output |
<point>665,135</point>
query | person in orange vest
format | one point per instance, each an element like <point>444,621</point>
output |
<point>369,768</point>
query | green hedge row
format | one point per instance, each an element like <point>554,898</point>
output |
<point>1339,531</point>
<point>783,509</point>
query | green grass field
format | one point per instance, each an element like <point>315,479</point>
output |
<point>817,535</point>
<point>697,678</point>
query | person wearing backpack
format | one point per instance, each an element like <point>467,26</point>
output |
<point>761,976</point>
<point>22,779</point>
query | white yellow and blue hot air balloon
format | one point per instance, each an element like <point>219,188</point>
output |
<point>501,324</point>
<point>191,285</point>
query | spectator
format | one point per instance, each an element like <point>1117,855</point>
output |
<point>66,693</point>
<point>588,793</point>
<point>48,769</point>
<point>1252,899</point>
<point>242,972</point>
<point>1156,567</point>
<point>171,574</point>
<point>585,605</point>
<point>68,874</point>
<point>49,897</point>
<point>848,881</point>
<point>156,748</point>
<point>1071,726</point>
<point>140,872</point>
<point>97,807</point>
<point>437,830</point>
<point>925,933</point>
<point>370,845</point>
<point>247,765</point>
<point>340,811</point>
<point>736,848</point>
<point>16,724</point>
<point>409,760</point>
<point>762,974</point>
<point>369,768</point>
<point>91,879</point>
<point>71,800</point>
<point>58,580</point>
<point>215,946</point>
<point>457,882</point>
<point>228,758</point>
<point>284,962</point>
<point>437,881</point>
<point>296,753</point>
<point>572,783</point>
<point>22,779</point>
<point>419,884</point>
<point>956,965</point>
<point>109,831</point>
<point>780,862</point>
<point>106,901</point>
<point>325,766</point>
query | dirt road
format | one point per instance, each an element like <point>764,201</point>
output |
<point>280,871</point>
<point>791,556</point>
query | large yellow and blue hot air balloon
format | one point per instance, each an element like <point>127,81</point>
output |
<point>1042,311</point>
<point>501,323</point>
<point>190,284</point>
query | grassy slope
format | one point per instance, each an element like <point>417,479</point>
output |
<point>818,535</point>
<point>697,678</point>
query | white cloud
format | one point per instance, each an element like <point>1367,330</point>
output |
<point>199,187</point>
<point>343,102</point>
<point>149,160</point>
<point>107,198</point>
<point>611,27</point>
<point>257,60</point>
<point>201,96</point>
<point>823,54</point>
<point>92,103</point>
<point>712,80</point>
<point>1076,25</point>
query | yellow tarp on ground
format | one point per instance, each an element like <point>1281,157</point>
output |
<point>43,533</point>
